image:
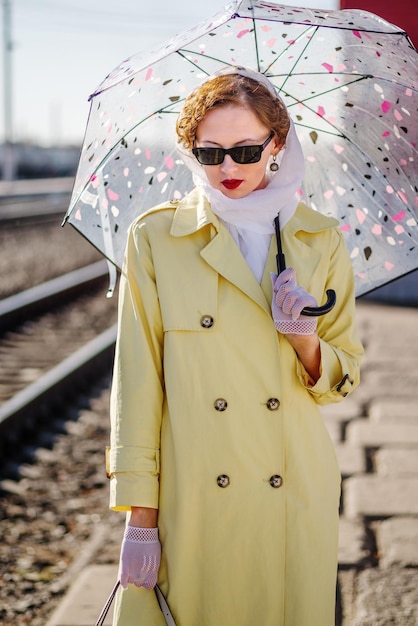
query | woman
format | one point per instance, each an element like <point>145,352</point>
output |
<point>218,450</point>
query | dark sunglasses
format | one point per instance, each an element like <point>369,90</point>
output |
<point>242,154</point>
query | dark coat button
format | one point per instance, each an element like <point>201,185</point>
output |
<point>276,481</point>
<point>273,404</point>
<point>223,480</point>
<point>206,321</point>
<point>220,404</point>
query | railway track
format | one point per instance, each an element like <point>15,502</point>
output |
<point>56,353</point>
<point>33,201</point>
<point>55,338</point>
<point>45,208</point>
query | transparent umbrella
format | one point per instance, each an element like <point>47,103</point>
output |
<point>350,82</point>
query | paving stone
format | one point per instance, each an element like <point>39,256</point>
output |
<point>384,350</point>
<point>397,541</point>
<point>400,384</point>
<point>397,461</point>
<point>382,596</point>
<point>390,410</point>
<point>334,430</point>
<point>347,588</point>
<point>386,597</point>
<point>394,324</point>
<point>351,459</point>
<point>376,496</point>
<point>85,599</point>
<point>364,433</point>
<point>351,550</point>
<point>343,411</point>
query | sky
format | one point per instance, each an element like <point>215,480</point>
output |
<point>63,49</point>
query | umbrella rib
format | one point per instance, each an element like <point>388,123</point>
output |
<point>305,100</point>
<point>302,34</point>
<point>206,56</point>
<point>338,133</point>
<point>338,26</point>
<point>115,146</point>
<point>112,149</point>
<point>322,93</point>
<point>297,58</point>
<point>180,53</point>
<point>256,45</point>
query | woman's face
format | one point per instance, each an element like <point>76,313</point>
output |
<point>230,126</point>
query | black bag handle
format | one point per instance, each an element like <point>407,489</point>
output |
<point>160,598</point>
<point>105,609</point>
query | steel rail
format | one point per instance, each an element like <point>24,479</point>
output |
<point>26,408</point>
<point>35,210</point>
<point>29,407</point>
<point>19,307</point>
<point>35,199</point>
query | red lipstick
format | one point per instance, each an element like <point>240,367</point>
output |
<point>231,183</point>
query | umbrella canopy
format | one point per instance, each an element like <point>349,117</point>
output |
<point>350,82</point>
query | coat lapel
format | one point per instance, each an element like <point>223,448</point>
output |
<point>221,252</point>
<point>223,255</point>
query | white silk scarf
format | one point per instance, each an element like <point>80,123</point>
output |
<point>250,220</point>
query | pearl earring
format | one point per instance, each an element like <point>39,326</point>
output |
<point>274,166</point>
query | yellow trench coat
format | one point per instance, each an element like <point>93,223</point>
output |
<point>214,422</point>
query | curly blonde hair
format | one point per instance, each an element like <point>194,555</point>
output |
<point>231,89</point>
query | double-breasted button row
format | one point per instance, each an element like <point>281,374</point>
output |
<point>221,404</point>
<point>275,481</point>
<point>207,321</point>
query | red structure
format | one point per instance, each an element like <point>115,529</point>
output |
<point>403,13</point>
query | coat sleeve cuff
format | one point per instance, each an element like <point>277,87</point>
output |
<point>134,477</point>
<point>128,489</point>
<point>132,458</point>
<point>334,384</point>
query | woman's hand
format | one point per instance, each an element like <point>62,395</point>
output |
<point>140,557</point>
<point>287,304</point>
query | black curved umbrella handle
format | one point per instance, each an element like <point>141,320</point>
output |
<point>315,311</point>
<point>309,311</point>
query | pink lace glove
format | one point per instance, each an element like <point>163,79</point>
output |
<point>287,304</point>
<point>140,557</point>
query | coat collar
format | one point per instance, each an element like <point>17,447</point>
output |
<point>309,221</point>
<point>193,213</point>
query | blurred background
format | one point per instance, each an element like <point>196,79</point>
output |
<point>57,334</point>
<point>56,52</point>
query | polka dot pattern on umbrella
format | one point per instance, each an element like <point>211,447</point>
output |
<point>350,82</point>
